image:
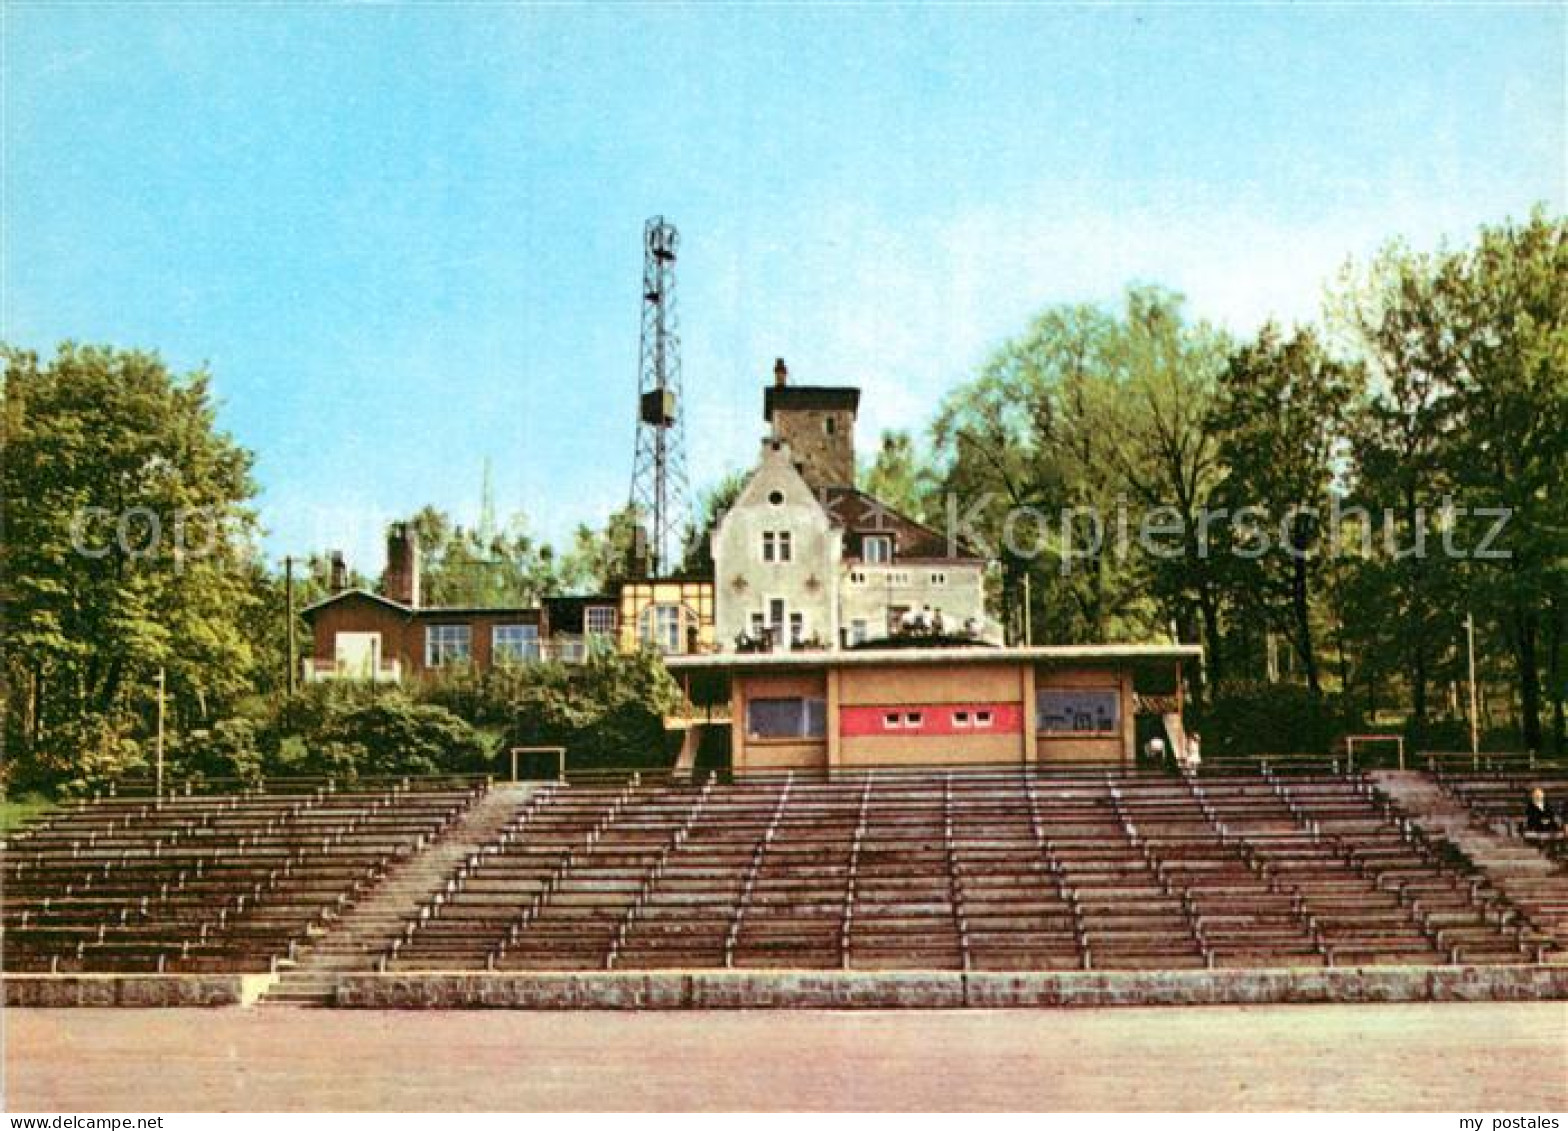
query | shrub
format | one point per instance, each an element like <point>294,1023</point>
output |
<point>1272,719</point>
<point>79,755</point>
<point>607,712</point>
<point>393,735</point>
<point>231,749</point>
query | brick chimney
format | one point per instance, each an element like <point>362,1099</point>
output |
<point>400,583</point>
<point>339,572</point>
<point>780,373</point>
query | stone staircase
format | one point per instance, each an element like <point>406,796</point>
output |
<point>1531,881</point>
<point>364,931</point>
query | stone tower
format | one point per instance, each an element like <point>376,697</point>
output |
<point>818,424</point>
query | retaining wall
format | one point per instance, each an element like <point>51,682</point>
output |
<point>818,989</point>
<point>144,991</point>
<point>938,990</point>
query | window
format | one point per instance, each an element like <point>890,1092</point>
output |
<point>892,720</point>
<point>599,620</point>
<point>447,644</point>
<point>514,642</point>
<point>776,546</point>
<point>776,498</point>
<point>857,577</point>
<point>877,548</point>
<point>787,718</point>
<point>913,719</point>
<point>938,579</point>
<point>797,628</point>
<point>829,425</point>
<point>758,624</point>
<point>960,718</point>
<point>1085,710</point>
<point>776,616</point>
<point>982,718</point>
<point>659,626</point>
<point>857,632</point>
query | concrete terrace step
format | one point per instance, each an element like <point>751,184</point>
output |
<point>1519,871</point>
<point>355,940</point>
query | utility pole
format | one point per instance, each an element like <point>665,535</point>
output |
<point>288,587</point>
<point>158,783</point>
<point>1028,613</point>
<point>1475,733</point>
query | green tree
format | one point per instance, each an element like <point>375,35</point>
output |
<point>470,566</point>
<point>128,538</point>
<point>1398,596</point>
<point>608,712</point>
<point>1469,354</point>
<point>599,557</point>
<point>1282,419</point>
<point>1042,433</point>
<point>697,545</point>
<point>904,479</point>
<point>1168,457</point>
<point>1509,325</point>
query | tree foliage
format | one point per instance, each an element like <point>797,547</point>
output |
<point>900,476</point>
<point>1280,419</point>
<point>128,548</point>
<point>1089,413</point>
<point>475,566</point>
<point>607,712</point>
<point>1440,402</point>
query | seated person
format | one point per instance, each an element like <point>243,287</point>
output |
<point>1539,820</point>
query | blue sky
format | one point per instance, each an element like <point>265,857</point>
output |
<point>407,237</point>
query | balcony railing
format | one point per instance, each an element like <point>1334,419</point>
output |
<point>386,671</point>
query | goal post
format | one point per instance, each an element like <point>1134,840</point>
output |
<point>1367,739</point>
<point>557,752</point>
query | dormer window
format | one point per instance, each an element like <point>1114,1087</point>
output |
<point>877,548</point>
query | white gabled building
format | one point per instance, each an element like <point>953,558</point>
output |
<point>803,559</point>
<point>776,558</point>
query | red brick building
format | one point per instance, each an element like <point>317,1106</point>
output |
<point>390,636</point>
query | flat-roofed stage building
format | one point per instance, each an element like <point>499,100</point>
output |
<point>893,707</point>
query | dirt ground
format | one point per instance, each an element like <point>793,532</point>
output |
<point>1460,1057</point>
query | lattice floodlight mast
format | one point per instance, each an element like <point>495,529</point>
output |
<point>660,493</point>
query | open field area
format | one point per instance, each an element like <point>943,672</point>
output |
<point>1511,1057</point>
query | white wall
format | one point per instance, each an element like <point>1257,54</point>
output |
<point>744,583</point>
<point>956,590</point>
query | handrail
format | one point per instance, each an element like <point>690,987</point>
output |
<point>290,784</point>
<point>847,917</point>
<point>753,870</point>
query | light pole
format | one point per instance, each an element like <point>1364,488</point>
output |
<point>158,781</point>
<point>1475,733</point>
<point>288,588</point>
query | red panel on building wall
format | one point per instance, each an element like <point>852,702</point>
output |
<point>937,720</point>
